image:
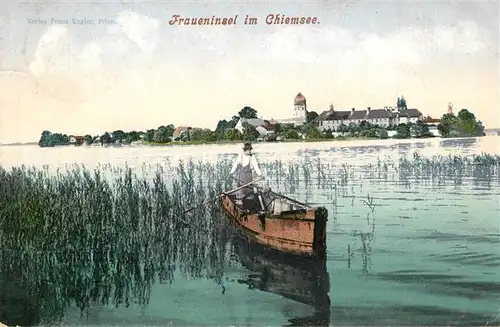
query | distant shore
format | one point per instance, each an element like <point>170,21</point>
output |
<point>223,142</point>
<point>18,143</point>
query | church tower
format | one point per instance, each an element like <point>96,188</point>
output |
<point>450,108</point>
<point>300,109</point>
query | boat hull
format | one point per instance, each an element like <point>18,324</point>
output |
<point>300,232</point>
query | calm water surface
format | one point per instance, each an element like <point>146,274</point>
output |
<point>428,253</point>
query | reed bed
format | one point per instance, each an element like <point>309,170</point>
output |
<point>84,236</point>
<point>92,237</point>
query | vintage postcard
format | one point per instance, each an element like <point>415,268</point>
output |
<point>249,163</point>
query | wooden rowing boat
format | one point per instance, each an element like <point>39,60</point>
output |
<point>285,224</point>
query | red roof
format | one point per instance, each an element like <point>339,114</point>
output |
<point>177,132</point>
<point>429,119</point>
<point>299,97</point>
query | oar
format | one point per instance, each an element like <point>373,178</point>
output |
<point>292,200</point>
<point>232,191</point>
<point>242,186</point>
<point>287,198</point>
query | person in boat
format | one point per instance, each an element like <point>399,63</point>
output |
<point>243,168</point>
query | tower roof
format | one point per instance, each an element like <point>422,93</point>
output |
<point>299,99</point>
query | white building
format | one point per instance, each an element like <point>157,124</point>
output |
<point>299,112</point>
<point>300,109</point>
<point>332,119</point>
<point>255,122</point>
<point>259,124</point>
<point>434,131</point>
<point>492,132</point>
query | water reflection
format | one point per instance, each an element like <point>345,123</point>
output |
<point>303,280</point>
<point>469,142</point>
<point>23,300</point>
<point>35,294</point>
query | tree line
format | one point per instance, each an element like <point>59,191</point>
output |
<point>464,124</point>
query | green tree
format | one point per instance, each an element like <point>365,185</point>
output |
<point>420,129</point>
<point>402,103</point>
<point>46,139</point>
<point>133,136</point>
<point>196,134</point>
<point>286,127</point>
<point>480,129</point>
<point>369,132</point>
<point>292,134</point>
<point>382,133</point>
<point>467,124</point>
<point>311,116</point>
<point>170,128</point>
<point>250,133</point>
<point>277,128</point>
<point>88,139</point>
<point>161,135</point>
<point>464,124</point>
<point>222,126</point>
<point>327,134</point>
<point>49,139</point>
<point>207,135</point>
<point>106,138</point>
<point>364,125</point>
<point>235,119</point>
<point>247,112</point>
<point>312,132</point>
<point>167,130</point>
<point>150,133</point>
<point>444,129</point>
<point>353,129</point>
<point>186,136</point>
<point>233,134</point>
<point>402,131</point>
<point>60,139</point>
<point>466,115</point>
<point>448,120</point>
<point>118,135</point>
<point>342,128</point>
<point>201,135</point>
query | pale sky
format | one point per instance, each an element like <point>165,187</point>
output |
<point>140,72</point>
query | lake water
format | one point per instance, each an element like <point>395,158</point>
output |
<point>427,251</point>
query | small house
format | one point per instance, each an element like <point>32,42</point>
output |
<point>179,132</point>
<point>255,122</point>
<point>76,140</point>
